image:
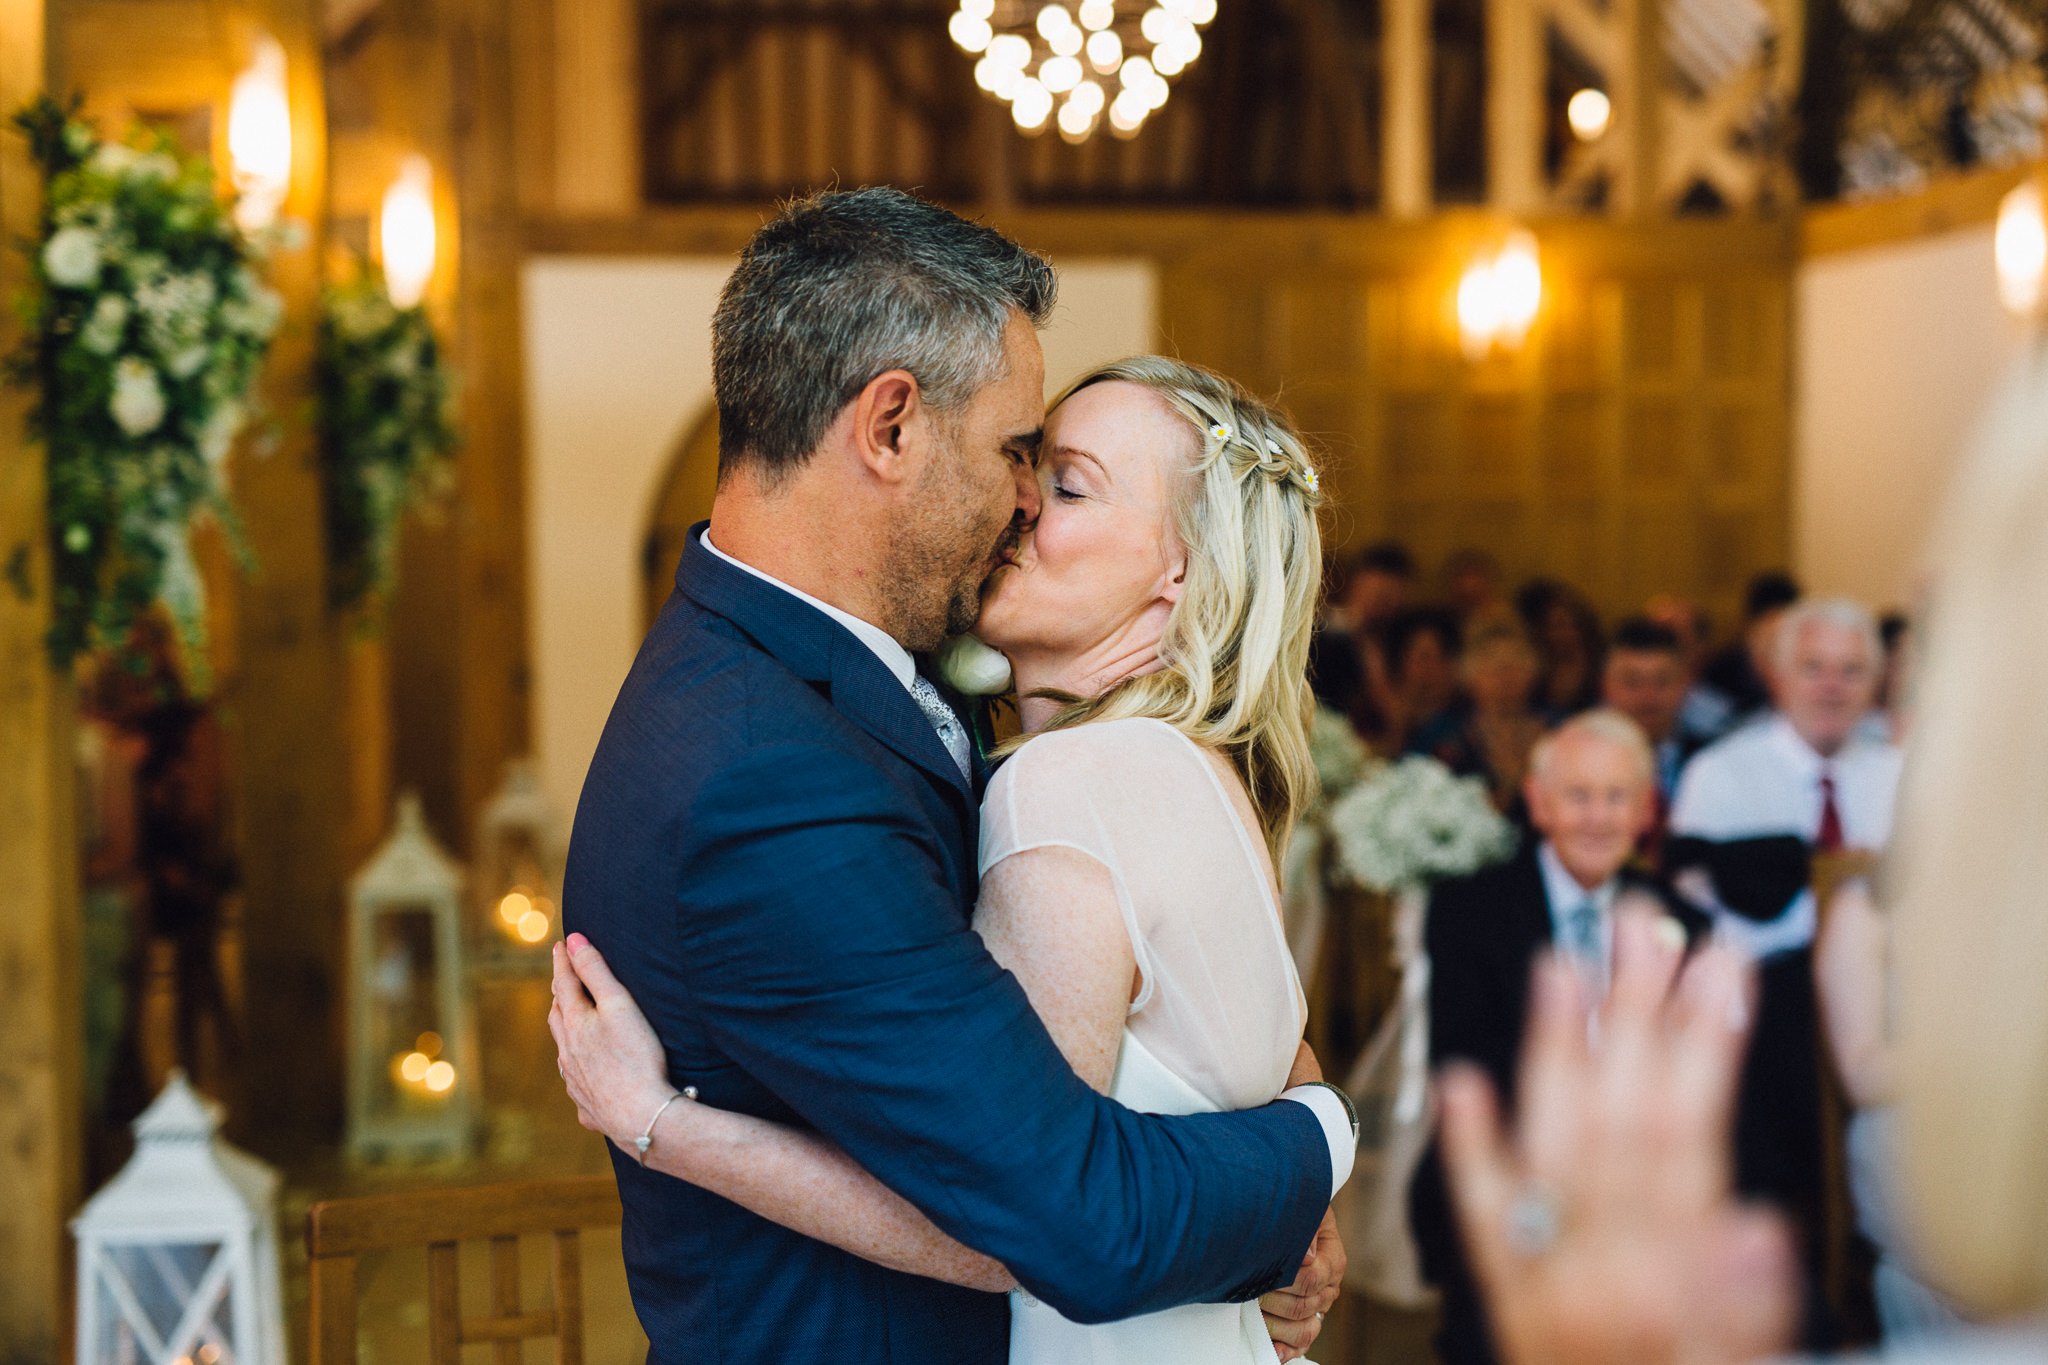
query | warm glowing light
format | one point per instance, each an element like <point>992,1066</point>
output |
<point>515,904</point>
<point>533,926</point>
<point>1075,121</point>
<point>1088,95</point>
<point>2020,247</point>
<point>1097,14</point>
<point>1060,74</point>
<point>414,1066</point>
<point>440,1078</point>
<point>980,9</point>
<point>970,31</point>
<point>1031,105</point>
<point>406,232</point>
<point>1589,112</point>
<point>1054,19</point>
<point>1011,50</point>
<point>1066,43</point>
<point>260,136</point>
<point>429,1043</point>
<point>1499,296</point>
<point>1105,51</point>
<point>1127,113</point>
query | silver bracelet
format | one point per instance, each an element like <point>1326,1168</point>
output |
<point>646,1139</point>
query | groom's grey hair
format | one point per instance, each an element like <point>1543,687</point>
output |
<point>847,285</point>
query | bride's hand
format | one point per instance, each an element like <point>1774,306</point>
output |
<point>607,1053</point>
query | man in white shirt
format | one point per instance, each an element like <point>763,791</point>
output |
<point>1807,770</point>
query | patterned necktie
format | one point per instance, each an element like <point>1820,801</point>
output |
<point>1582,932</point>
<point>952,733</point>
<point>1829,840</point>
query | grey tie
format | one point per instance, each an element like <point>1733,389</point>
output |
<point>1582,933</point>
<point>952,733</point>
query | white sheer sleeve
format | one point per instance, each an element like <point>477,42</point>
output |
<point>1219,1002</point>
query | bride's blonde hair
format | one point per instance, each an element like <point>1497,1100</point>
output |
<point>1235,649</point>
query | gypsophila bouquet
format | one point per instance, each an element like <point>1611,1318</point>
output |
<point>147,323</point>
<point>1340,756</point>
<point>1412,823</point>
<point>385,431</point>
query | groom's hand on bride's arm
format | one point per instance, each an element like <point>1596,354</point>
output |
<point>1294,1315</point>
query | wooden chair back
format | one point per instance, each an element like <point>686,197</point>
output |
<point>340,1231</point>
<point>1845,1269</point>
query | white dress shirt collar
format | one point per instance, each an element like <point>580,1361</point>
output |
<point>1804,758</point>
<point>893,655</point>
<point>1565,894</point>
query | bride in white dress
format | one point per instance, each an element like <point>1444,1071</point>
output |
<point>1157,620</point>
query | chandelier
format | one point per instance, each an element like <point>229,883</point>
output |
<point>1081,65</point>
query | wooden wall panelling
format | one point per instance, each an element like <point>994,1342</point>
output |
<point>41,1028</point>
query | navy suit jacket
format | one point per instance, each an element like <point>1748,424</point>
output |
<point>777,857</point>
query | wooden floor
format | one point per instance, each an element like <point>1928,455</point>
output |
<point>531,1131</point>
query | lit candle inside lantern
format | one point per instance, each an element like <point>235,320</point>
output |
<point>407,234</point>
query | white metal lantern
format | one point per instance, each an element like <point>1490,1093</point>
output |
<point>412,1082</point>
<point>177,1255</point>
<point>518,872</point>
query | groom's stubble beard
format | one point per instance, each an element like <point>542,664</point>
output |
<point>939,556</point>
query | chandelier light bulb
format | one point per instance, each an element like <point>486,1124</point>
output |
<point>1066,43</point>
<point>1010,49</point>
<point>1088,95</point>
<point>1201,11</point>
<point>1589,112</point>
<point>970,32</point>
<point>1127,113</point>
<point>1059,74</point>
<point>1054,19</point>
<point>1157,25</point>
<point>1105,51</point>
<point>980,9</point>
<point>1097,15</point>
<point>1031,105</point>
<point>1075,122</point>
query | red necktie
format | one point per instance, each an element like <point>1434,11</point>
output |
<point>1830,838</point>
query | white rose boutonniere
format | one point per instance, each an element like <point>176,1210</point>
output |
<point>971,668</point>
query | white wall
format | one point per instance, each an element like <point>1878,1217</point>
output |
<point>618,369</point>
<point>1898,350</point>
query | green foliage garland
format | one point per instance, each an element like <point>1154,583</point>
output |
<point>147,323</point>
<point>386,432</point>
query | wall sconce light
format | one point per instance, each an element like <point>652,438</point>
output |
<point>1498,296</point>
<point>1589,112</point>
<point>260,136</point>
<point>2020,246</point>
<point>406,232</point>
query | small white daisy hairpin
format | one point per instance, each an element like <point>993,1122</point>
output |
<point>1221,431</point>
<point>1273,447</point>
<point>1312,481</point>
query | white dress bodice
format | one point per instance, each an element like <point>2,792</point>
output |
<point>1219,1011</point>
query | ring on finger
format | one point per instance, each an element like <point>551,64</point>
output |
<point>1535,1220</point>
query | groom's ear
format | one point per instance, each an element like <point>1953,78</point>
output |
<point>888,420</point>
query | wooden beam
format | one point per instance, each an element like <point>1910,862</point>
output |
<point>1407,172</point>
<point>1948,204</point>
<point>597,113</point>
<point>1515,60</point>
<point>285,715</point>
<point>1637,82</point>
<point>41,1107</point>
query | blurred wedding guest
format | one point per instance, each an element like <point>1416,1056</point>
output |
<point>1469,580</point>
<point>1644,678</point>
<point>1751,812</point>
<point>1589,794</point>
<point>1422,646</point>
<point>1373,586</point>
<point>1739,671</point>
<point>1612,1189</point>
<point>1569,641</point>
<point>1707,714</point>
<point>1851,975</point>
<point>1492,735</point>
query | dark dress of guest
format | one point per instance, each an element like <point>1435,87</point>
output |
<point>1569,642</point>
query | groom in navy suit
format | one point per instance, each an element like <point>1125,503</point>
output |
<point>776,843</point>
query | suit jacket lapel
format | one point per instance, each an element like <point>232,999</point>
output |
<point>821,651</point>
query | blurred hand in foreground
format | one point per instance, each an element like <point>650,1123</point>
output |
<point>1602,1225</point>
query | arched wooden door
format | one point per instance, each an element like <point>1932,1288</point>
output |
<point>684,500</point>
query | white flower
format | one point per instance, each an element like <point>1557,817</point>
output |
<point>217,433</point>
<point>71,258</point>
<point>154,166</point>
<point>971,668</point>
<point>114,158</point>
<point>184,363</point>
<point>138,401</point>
<point>102,331</point>
<point>1411,823</point>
